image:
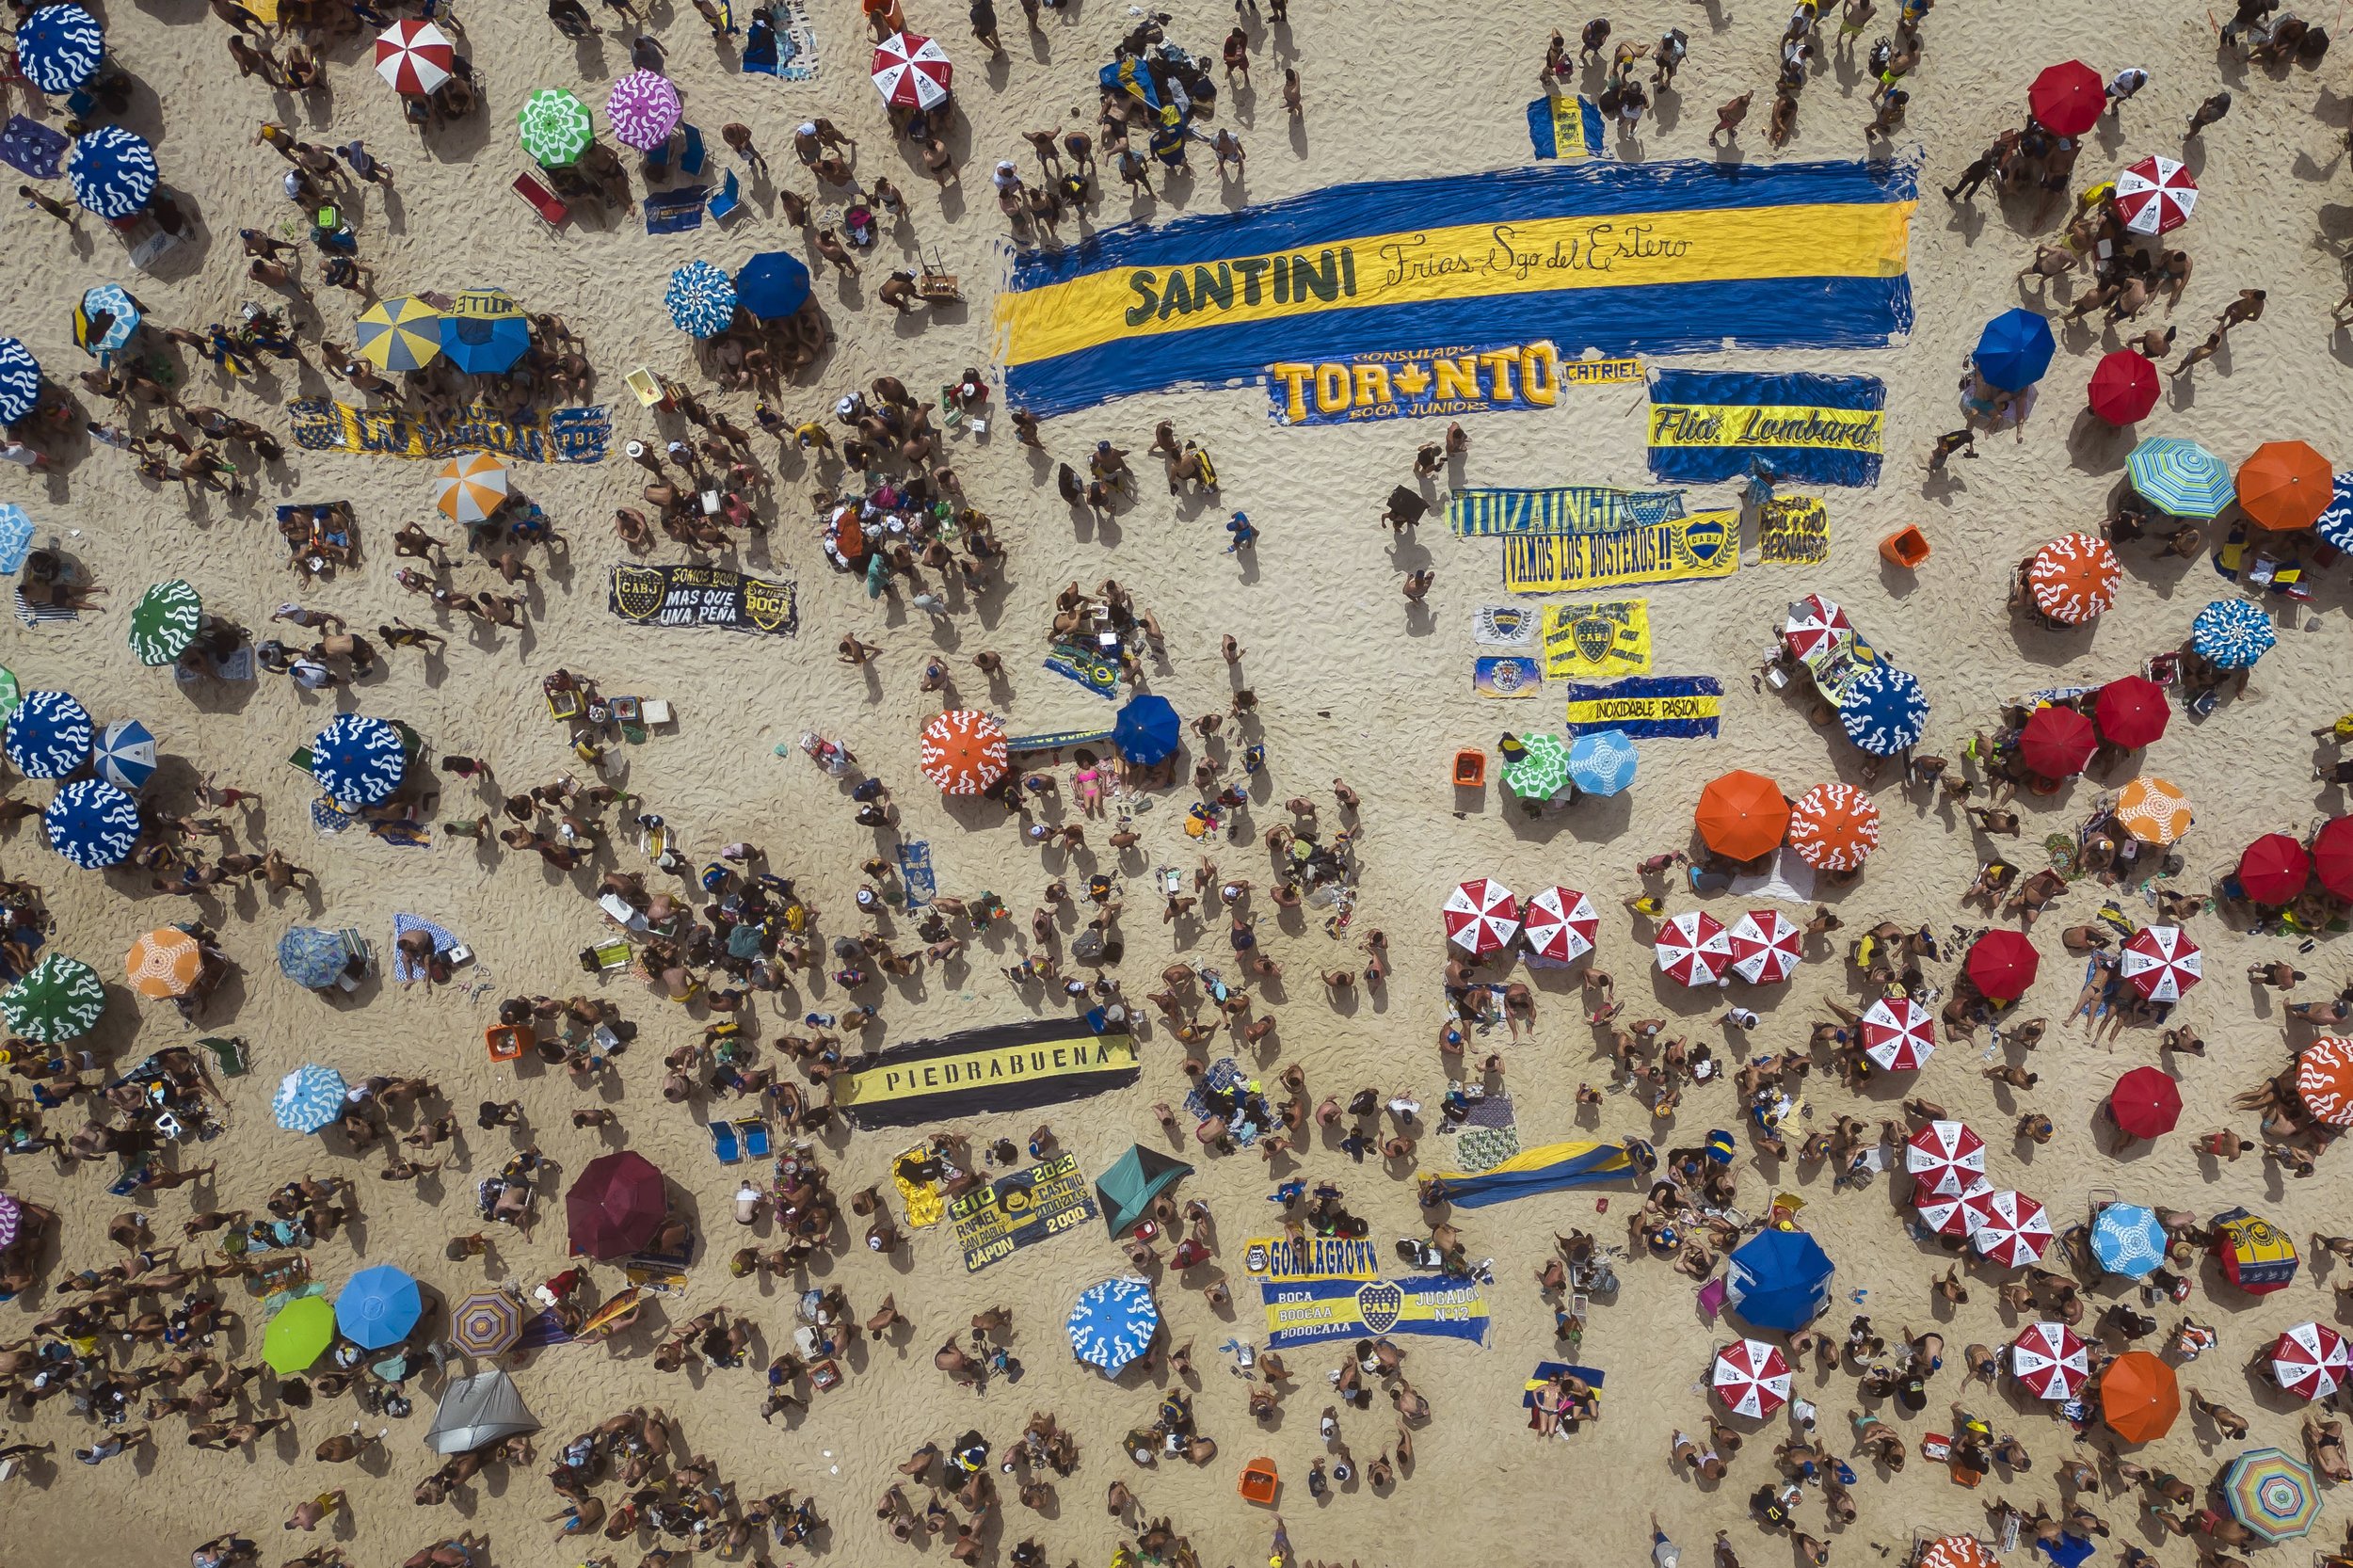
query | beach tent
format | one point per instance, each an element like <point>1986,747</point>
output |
<point>478,1411</point>
<point>1779,1279</point>
<point>2138,1397</point>
<point>1135,1178</point>
<point>1546,1168</point>
<point>2256,1254</point>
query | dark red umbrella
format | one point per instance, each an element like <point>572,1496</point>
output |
<point>2002,964</point>
<point>2274,869</point>
<point>2132,712</point>
<point>2145,1103</point>
<point>2332,855</point>
<point>2057,741</point>
<point>2068,99</point>
<point>616,1206</point>
<point>2123,387</point>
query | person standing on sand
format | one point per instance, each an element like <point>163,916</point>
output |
<point>2208,112</point>
<point>1728,118</point>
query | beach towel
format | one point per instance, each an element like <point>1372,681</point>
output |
<point>329,818</point>
<point>2062,851</point>
<point>915,873</point>
<point>675,212</point>
<point>923,1198</point>
<point>789,51</point>
<point>579,435</point>
<point>1224,1076</point>
<point>32,147</point>
<point>41,615</point>
<point>1507,675</point>
<point>1487,1136</point>
<point>2069,1552</point>
<point>545,1330</point>
<point>1087,666</point>
<point>405,969</point>
<point>1547,1371</point>
<point>1788,877</point>
<point>407,835</point>
<point>1565,127</point>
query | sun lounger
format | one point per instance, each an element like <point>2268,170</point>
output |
<point>723,1143</point>
<point>542,199</point>
<point>755,1136</point>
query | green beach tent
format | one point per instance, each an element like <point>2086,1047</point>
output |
<point>1134,1181</point>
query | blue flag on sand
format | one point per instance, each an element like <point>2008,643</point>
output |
<point>1708,425</point>
<point>1565,127</point>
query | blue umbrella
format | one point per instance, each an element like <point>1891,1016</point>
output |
<point>59,47</point>
<point>359,761</point>
<point>2014,350</point>
<point>1147,730</point>
<point>1114,1323</point>
<point>2181,477</point>
<point>378,1307</point>
<point>113,172</point>
<point>2232,634</point>
<point>1884,710</point>
<point>772,285</point>
<point>311,957</point>
<point>20,380</point>
<point>701,299</point>
<point>125,755</point>
<point>2127,1240</point>
<point>92,824</point>
<point>49,735</point>
<point>1780,1279</point>
<point>1602,763</point>
<point>309,1099</point>
<point>487,334</point>
<point>2335,522</point>
<point>16,537</point>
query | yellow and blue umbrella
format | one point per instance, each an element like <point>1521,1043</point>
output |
<point>2232,634</point>
<point>59,48</point>
<point>49,735</point>
<point>113,172</point>
<point>20,380</point>
<point>359,761</point>
<point>701,299</point>
<point>2181,477</point>
<point>487,334</point>
<point>2272,1495</point>
<point>378,1307</point>
<point>399,334</point>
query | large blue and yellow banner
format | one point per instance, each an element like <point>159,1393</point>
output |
<point>1549,1168</point>
<point>1712,424</point>
<point>1683,707</point>
<point>1705,544</point>
<point>1308,1311</point>
<point>1615,257</point>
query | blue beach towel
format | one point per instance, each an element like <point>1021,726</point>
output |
<point>32,147</point>
<point>404,968</point>
<point>675,212</point>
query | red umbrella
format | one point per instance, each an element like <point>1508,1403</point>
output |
<point>2068,99</point>
<point>2002,964</point>
<point>2145,1103</point>
<point>2123,387</point>
<point>2274,869</point>
<point>2332,855</point>
<point>2057,741</point>
<point>2132,712</point>
<point>616,1206</point>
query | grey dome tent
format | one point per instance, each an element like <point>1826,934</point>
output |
<point>478,1411</point>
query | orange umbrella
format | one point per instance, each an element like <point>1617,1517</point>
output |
<point>1833,827</point>
<point>2154,810</point>
<point>2138,1398</point>
<point>962,751</point>
<point>2074,577</point>
<point>1743,815</point>
<point>164,963</point>
<point>2285,484</point>
<point>2323,1078</point>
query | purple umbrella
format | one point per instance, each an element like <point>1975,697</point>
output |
<point>643,109</point>
<point>11,1219</point>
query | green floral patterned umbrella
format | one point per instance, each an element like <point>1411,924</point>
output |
<point>57,999</point>
<point>556,129</point>
<point>1542,770</point>
<point>11,695</point>
<point>163,622</point>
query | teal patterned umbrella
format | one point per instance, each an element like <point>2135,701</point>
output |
<point>59,999</point>
<point>2181,477</point>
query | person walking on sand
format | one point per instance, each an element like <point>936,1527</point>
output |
<point>2208,112</point>
<point>1592,40</point>
<point>1728,118</point>
<point>2126,83</point>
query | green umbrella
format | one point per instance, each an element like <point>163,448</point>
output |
<point>11,695</point>
<point>57,999</point>
<point>163,622</point>
<point>1542,770</point>
<point>298,1335</point>
<point>556,129</point>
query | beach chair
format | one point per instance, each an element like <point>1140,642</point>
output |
<point>724,1145</point>
<point>690,158</point>
<point>729,201</point>
<point>542,199</point>
<point>300,760</point>
<point>755,1133</point>
<point>228,1053</point>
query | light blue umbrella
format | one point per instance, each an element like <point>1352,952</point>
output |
<point>773,285</point>
<point>105,321</point>
<point>92,824</point>
<point>1602,763</point>
<point>126,755</point>
<point>1884,710</point>
<point>2014,350</point>
<point>359,761</point>
<point>311,957</point>
<point>20,381</point>
<point>2335,522</point>
<point>1112,1324</point>
<point>2181,477</point>
<point>49,735</point>
<point>113,172</point>
<point>2232,634</point>
<point>701,299</point>
<point>378,1307</point>
<point>2127,1240</point>
<point>59,48</point>
<point>309,1099</point>
<point>16,537</point>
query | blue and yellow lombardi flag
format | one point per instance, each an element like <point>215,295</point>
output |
<point>1707,426</point>
<point>1615,257</point>
<point>1564,126</point>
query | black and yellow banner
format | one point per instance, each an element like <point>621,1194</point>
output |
<point>1018,1210</point>
<point>1002,1068</point>
<point>704,596</point>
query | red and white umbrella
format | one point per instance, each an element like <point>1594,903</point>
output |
<point>1752,1378</point>
<point>2016,1231</point>
<point>910,71</point>
<point>2310,1362</point>
<point>1814,625</point>
<point>2154,195</point>
<point>2162,962</point>
<point>1765,947</point>
<point>1944,1158</point>
<point>1693,948</point>
<point>1899,1034</point>
<point>1481,916</point>
<point>1956,1213</point>
<point>2051,1361</point>
<point>416,57</point>
<point>1559,923</point>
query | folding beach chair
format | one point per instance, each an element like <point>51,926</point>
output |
<point>755,1133</point>
<point>542,199</point>
<point>724,1145</point>
<point>729,203</point>
<point>690,158</point>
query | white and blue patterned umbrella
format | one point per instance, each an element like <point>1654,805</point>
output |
<point>113,172</point>
<point>309,1099</point>
<point>16,537</point>
<point>126,755</point>
<point>92,824</point>
<point>1114,1323</point>
<point>2127,1240</point>
<point>359,761</point>
<point>1884,710</point>
<point>59,47</point>
<point>2232,634</point>
<point>701,299</point>
<point>312,958</point>
<point>49,735</point>
<point>2335,522</point>
<point>20,380</point>
<point>104,320</point>
<point>1602,763</point>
